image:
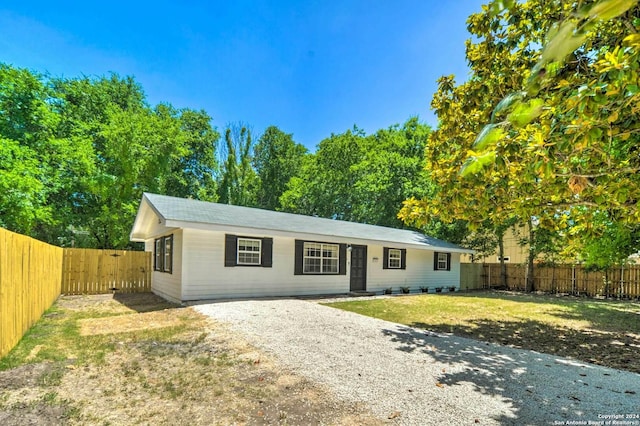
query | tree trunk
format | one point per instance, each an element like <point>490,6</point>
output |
<point>530,280</point>
<point>503,266</point>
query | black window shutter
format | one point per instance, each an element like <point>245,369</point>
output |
<point>230,250</point>
<point>156,263</point>
<point>297,268</point>
<point>385,258</point>
<point>342,260</point>
<point>267,252</point>
<point>435,260</point>
<point>448,261</point>
<point>403,259</point>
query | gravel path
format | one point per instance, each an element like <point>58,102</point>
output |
<point>423,378</point>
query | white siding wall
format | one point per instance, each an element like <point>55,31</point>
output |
<point>419,272</point>
<point>199,271</point>
<point>164,284</point>
<point>206,277</point>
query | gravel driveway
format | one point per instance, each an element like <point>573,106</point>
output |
<point>423,378</point>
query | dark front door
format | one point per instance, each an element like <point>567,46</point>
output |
<point>358,268</point>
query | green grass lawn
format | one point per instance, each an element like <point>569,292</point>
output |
<point>598,331</point>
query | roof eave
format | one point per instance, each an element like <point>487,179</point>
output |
<point>139,230</point>
<point>307,235</point>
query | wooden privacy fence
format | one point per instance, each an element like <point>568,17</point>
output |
<point>623,282</point>
<point>33,274</point>
<point>471,276</point>
<point>30,273</point>
<point>87,271</point>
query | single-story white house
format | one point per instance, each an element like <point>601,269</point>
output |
<point>205,250</point>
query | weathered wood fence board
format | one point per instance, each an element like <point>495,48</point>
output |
<point>623,282</point>
<point>87,271</point>
<point>30,273</point>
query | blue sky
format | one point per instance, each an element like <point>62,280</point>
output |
<point>311,68</point>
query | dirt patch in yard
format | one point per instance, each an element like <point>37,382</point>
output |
<point>162,365</point>
<point>128,323</point>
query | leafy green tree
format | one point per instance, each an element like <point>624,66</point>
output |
<point>570,129</point>
<point>135,148</point>
<point>610,248</point>
<point>479,201</point>
<point>193,175</point>
<point>325,185</point>
<point>77,154</point>
<point>363,178</point>
<point>36,164</point>
<point>391,168</point>
<point>277,158</point>
<point>22,194</point>
<point>562,118</point>
<point>238,181</point>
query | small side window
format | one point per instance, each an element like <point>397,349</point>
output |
<point>168,254</point>
<point>158,255</point>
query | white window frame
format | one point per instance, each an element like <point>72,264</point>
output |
<point>443,261</point>
<point>395,255</point>
<point>259,252</point>
<point>507,259</point>
<point>158,261</point>
<point>167,261</point>
<point>324,260</point>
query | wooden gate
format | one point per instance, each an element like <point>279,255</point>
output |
<point>89,271</point>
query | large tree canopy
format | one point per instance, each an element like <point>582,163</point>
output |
<point>277,158</point>
<point>361,178</point>
<point>76,155</point>
<point>557,84</point>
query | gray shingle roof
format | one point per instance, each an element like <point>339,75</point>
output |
<point>187,210</point>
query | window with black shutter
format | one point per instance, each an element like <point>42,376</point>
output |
<point>248,251</point>
<point>394,258</point>
<point>320,258</point>
<point>441,261</point>
<point>163,254</point>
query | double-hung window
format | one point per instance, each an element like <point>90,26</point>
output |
<point>158,255</point>
<point>320,258</point>
<point>249,251</point>
<point>163,254</point>
<point>168,253</point>
<point>395,258</point>
<point>442,261</point>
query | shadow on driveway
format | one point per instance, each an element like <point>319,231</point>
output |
<point>540,388</point>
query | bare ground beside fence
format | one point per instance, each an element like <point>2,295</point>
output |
<point>134,359</point>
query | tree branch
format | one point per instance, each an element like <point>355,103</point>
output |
<point>596,175</point>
